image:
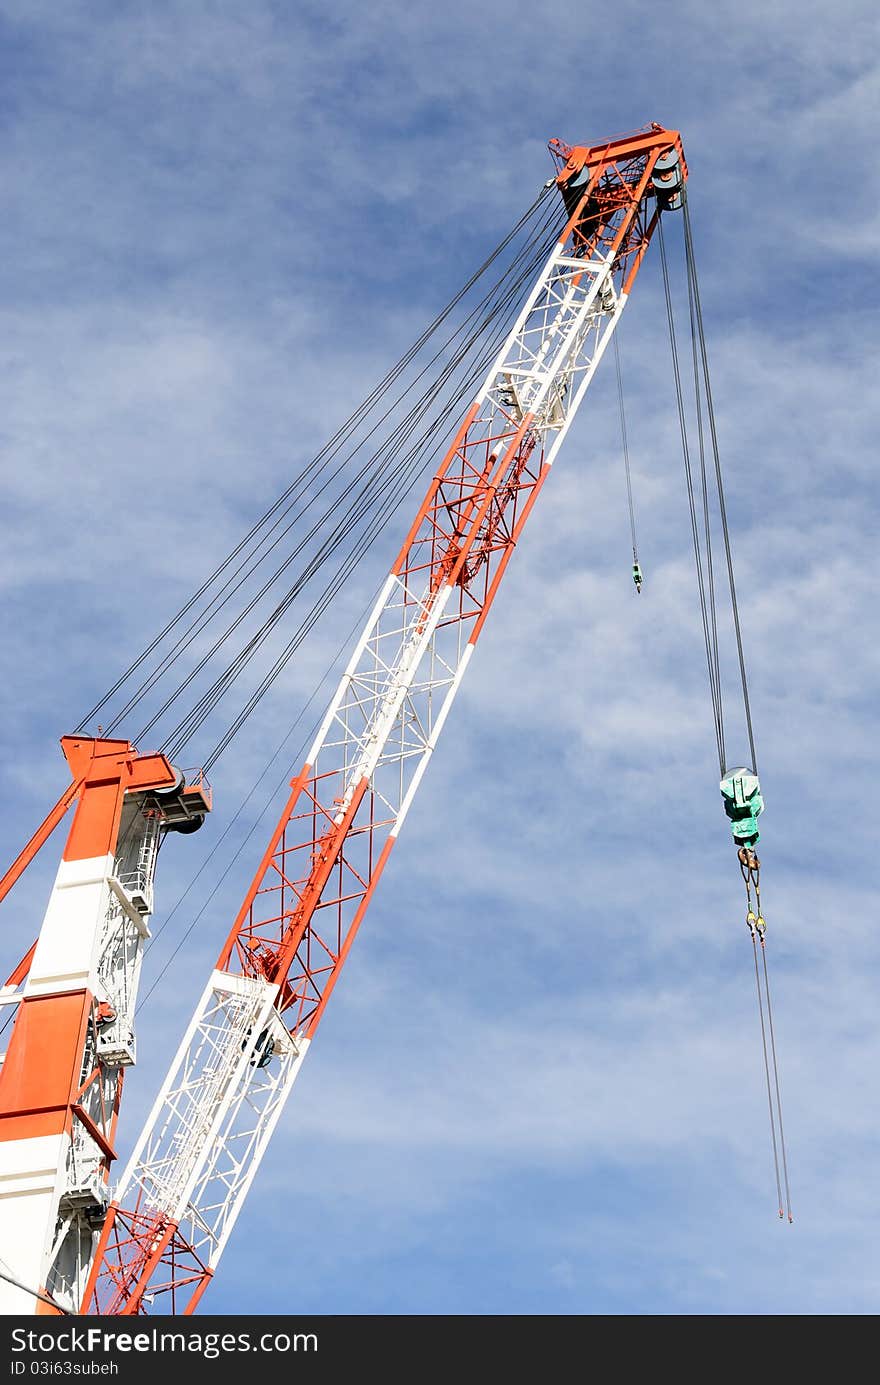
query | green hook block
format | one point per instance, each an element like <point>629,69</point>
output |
<point>743,804</point>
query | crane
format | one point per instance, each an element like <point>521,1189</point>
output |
<point>155,1245</point>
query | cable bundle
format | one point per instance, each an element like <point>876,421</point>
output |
<point>330,515</point>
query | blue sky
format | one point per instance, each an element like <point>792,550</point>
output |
<point>538,1087</point>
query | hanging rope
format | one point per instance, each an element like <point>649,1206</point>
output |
<point>740,788</point>
<point>704,491</point>
<point>636,569</point>
<point>711,650</point>
<point>750,868</point>
<point>776,1082</point>
<point>710,411</point>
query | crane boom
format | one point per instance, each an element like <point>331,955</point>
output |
<point>189,1173</point>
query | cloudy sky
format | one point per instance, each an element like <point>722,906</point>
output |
<point>538,1088</point>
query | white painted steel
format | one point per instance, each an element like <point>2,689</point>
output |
<point>210,1124</point>
<point>91,941</point>
<point>30,1173</point>
<point>67,950</point>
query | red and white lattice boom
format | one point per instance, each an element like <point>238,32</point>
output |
<point>190,1171</point>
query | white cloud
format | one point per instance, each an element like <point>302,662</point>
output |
<point>222,228</point>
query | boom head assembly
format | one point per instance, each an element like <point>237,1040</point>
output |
<point>601,169</point>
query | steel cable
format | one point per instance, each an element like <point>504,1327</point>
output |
<point>692,272</point>
<point>625,443</point>
<point>400,477</point>
<point>345,431</point>
<point>372,470</point>
<point>707,524</point>
<point>221,600</point>
<point>776,1086</point>
<point>767,1076</point>
<point>695,534</point>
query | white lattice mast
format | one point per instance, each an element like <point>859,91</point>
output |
<point>191,1169</point>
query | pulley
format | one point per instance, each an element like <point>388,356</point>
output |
<point>667,180</point>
